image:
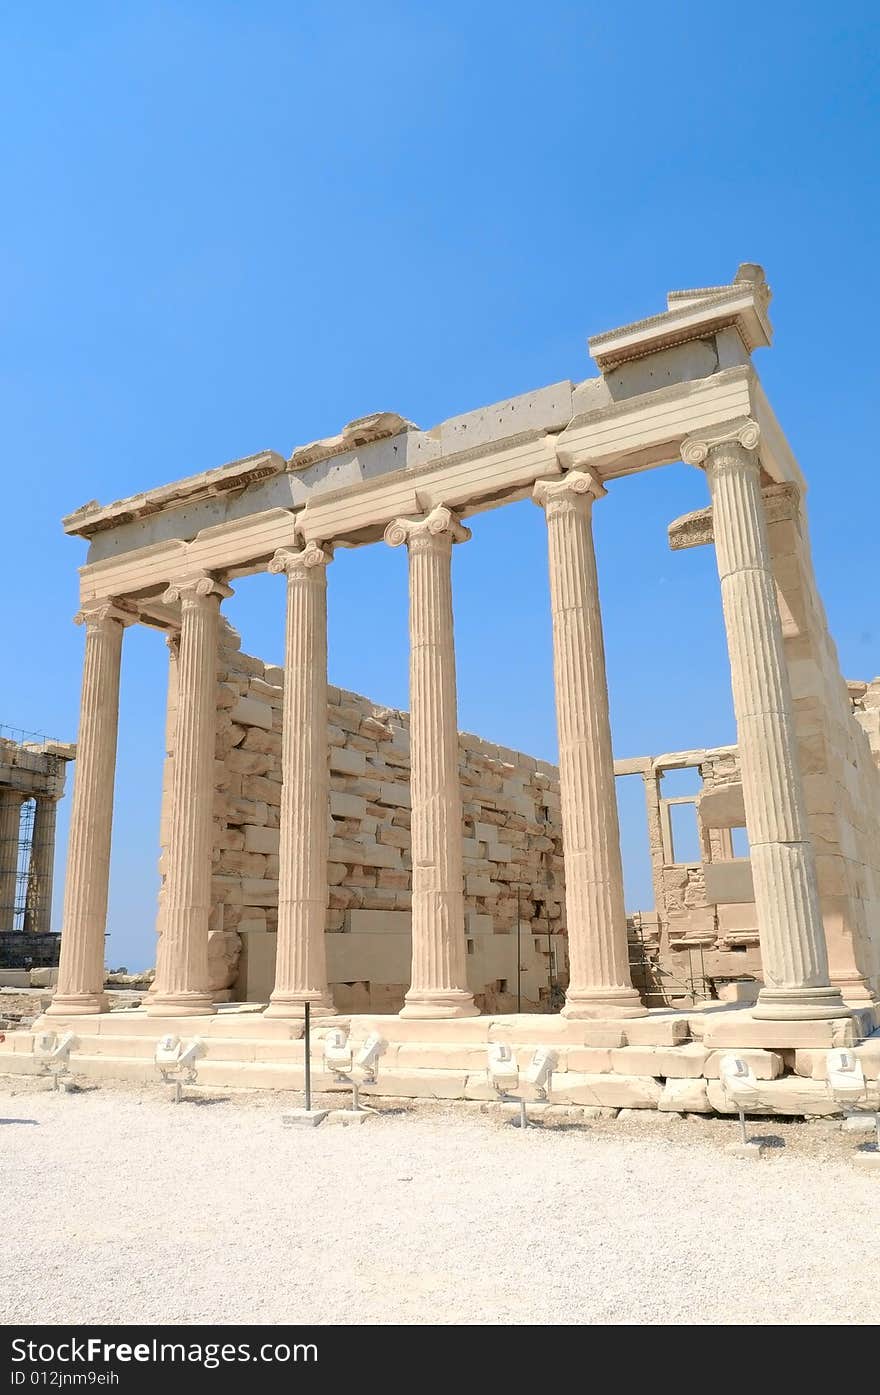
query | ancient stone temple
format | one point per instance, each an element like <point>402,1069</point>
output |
<point>677,386</point>
<point>32,777</point>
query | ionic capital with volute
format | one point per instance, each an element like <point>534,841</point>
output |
<point>193,588</point>
<point>438,527</point>
<point>578,485</point>
<point>736,440</point>
<point>96,615</point>
<point>304,560</point>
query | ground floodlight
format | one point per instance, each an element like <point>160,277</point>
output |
<point>741,1087</point>
<point>167,1052</point>
<point>845,1076</point>
<point>367,1058</point>
<point>176,1061</point>
<point>52,1052</point>
<point>739,1081</point>
<point>540,1069</point>
<point>337,1052</point>
<point>502,1069</point>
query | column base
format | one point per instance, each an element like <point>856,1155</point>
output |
<point>180,1005</point>
<point>443,1004</point>
<point>799,1005</point>
<point>77,1004</point>
<point>293,1006</point>
<point>856,990</point>
<point>581,1004</point>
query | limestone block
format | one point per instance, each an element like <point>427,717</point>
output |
<point>681,1062</point>
<point>737,1030</point>
<point>224,951</point>
<point>256,971</point>
<point>657,1029</point>
<point>395,795</point>
<point>451,1031</point>
<point>395,837</point>
<point>730,882</point>
<point>259,788</point>
<point>722,807</point>
<point>421,1084</point>
<point>588,1060</point>
<point>246,864</point>
<point>252,712</point>
<point>477,924</point>
<point>685,1096</point>
<point>260,839</point>
<point>347,762</point>
<point>618,1091</point>
<point>347,806</point>
<point>336,873</point>
<point>259,891</point>
<point>368,956</point>
<point>389,922</point>
<point>418,1056</point>
<point>791,1094</point>
<point>242,811</point>
<point>252,923</point>
<point>765,1065</point>
<point>364,854</point>
<point>549,1029</point>
<point>243,762</point>
<point>814,1064</point>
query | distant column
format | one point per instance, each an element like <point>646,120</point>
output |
<point>793,952</point>
<point>81,969</point>
<point>301,962</point>
<point>10,839</point>
<point>600,982</point>
<point>181,987</point>
<point>38,906</point>
<point>439,985</point>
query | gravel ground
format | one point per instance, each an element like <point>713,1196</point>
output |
<point>122,1207</point>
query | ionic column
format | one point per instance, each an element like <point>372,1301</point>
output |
<point>181,986</point>
<point>10,840</point>
<point>301,962</point>
<point>793,952</point>
<point>439,959</point>
<point>81,969</point>
<point>600,984</point>
<point>38,906</point>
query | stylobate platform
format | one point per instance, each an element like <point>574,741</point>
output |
<point>666,1060</point>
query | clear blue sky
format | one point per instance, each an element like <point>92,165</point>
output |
<point>229,226</point>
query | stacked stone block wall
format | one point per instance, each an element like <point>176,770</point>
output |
<point>511,839</point>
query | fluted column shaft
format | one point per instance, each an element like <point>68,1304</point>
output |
<point>793,952</point>
<point>600,983</point>
<point>181,987</point>
<point>38,906</point>
<point>301,960</point>
<point>439,958</point>
<point>80,987</point>
<point>10,840</point>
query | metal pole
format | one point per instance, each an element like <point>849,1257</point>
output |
<point>742,1125</point>
<point>523,1117</point>
<point>518,952</point>
<point>308,1059</point>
